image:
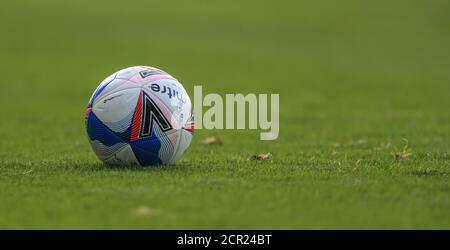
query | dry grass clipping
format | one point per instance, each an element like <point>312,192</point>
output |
<point>212,140</point>
<point>405,153</point>
<point>143,211</point>
<point>262,157</point>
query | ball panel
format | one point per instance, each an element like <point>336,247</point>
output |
<point>101,87</point>
<point>131,72</point>
<point>104,142</point>
<point>104,152</point>
<point>116,109</point>
<point>183,142</point>
<point>167,146</point>
<point>114,86</point>
<point>123,156</point>
<point>97,131</point>
<point>146,151</point>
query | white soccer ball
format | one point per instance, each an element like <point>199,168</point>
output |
<point>140,116</point>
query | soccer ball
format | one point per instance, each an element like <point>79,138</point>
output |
<point>140,116</point>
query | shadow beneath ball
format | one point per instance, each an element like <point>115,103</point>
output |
<point>158,167</point>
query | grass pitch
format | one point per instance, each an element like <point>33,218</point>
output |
<point>364,125</point>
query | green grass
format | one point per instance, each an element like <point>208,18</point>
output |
<point>355,78</point>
